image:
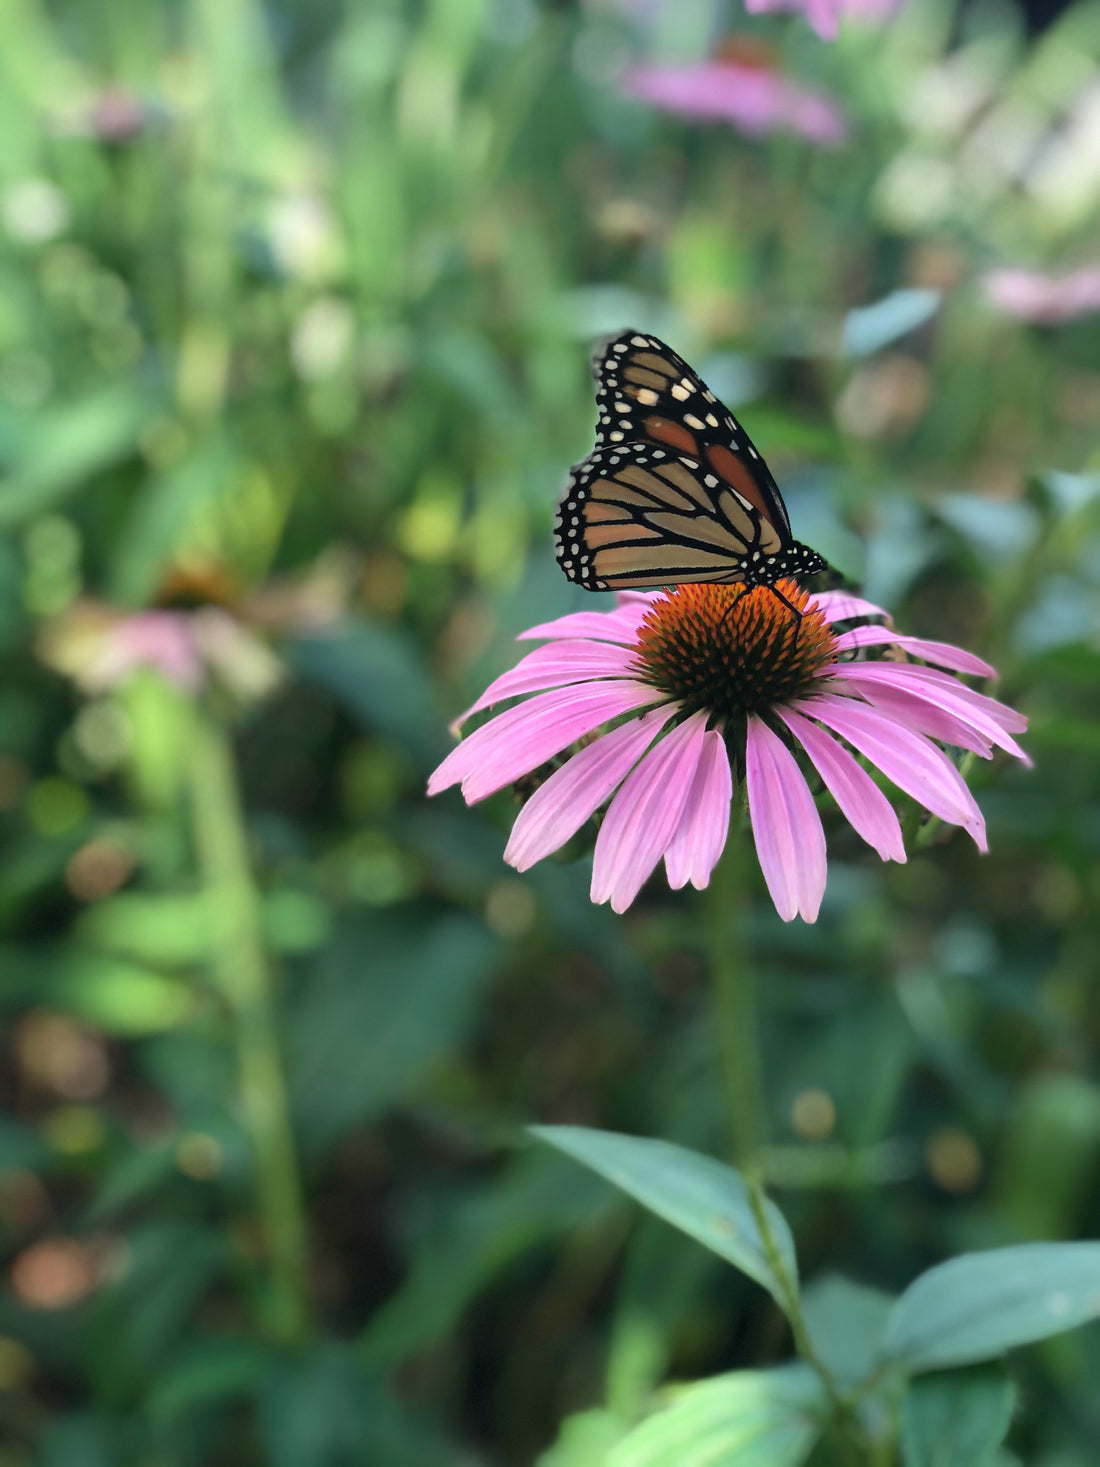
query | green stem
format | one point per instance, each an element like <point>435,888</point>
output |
<point>244,978</point>
<point>735,999</point>
<point>740,1049</point>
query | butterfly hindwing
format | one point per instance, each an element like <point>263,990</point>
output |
<point>643,515</point>
<point>647,393</point>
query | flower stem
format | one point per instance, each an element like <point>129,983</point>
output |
<point>244,978</point>
<point>739,1041</point>
<point>735,999</point>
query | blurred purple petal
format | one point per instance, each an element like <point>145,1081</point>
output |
<point>756,100</point>
<point>1046,300</point>
<point>825,15</point>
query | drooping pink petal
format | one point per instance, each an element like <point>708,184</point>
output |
<point>922,717</point>
<point>1008,718</point>
<point>863,804</point>
<point>701,834</point>
<point>643,816</point>
<point>869,678</point>
<point>942,653</point>
<point>619,625</point>
<point>522,738</point>
<point>786,827</point>
<point>840,606</point>
<point>550,667</point>
<point>907,758</point>
<point>558,809</point>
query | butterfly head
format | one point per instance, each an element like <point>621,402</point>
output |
<point>794,560</point>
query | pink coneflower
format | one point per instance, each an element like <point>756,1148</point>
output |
<point>1046,300</point>
<point>690,684</point>
<point>756,99</point>
<point>825,15</point>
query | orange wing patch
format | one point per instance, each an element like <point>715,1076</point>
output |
<point>674,434</point>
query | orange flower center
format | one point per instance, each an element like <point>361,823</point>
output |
<point>733,652</point>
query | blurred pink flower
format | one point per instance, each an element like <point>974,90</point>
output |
<point>203,631</point>
<point>1048,300</point>
<point>825,15</point>
<point>693,677</point>
<point>754,99</point>
<point>101,648</point>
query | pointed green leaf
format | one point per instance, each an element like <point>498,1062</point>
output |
<point>700,1196</point>
<point>957,1419</point>
<point>979,1305</point>
<point>749,1418</point>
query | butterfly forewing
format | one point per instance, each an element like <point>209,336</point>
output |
<point>647,392</point>
<point>674,490</point>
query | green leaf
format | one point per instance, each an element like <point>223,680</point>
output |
<point>204,1372</point>
<point>68,445</point>
<point>167,929</point>
<point>326,1410</point>
<point>379,675</point>
<point>472,1242</point>
<point>121,998</point>
<point>749,1418</point>
<point>388,1000</point>
<point>846,1322</point>
<point>584,1440</point>
<point>700,1196</point>
<point>979,1305</point>
<point>957,1419</point>
<point>168,508</point>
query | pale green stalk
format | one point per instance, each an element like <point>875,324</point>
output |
<point>244,978</point>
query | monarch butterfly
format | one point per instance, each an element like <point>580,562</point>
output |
<point>674,490</point>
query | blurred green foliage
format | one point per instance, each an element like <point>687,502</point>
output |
<point>295,308</point>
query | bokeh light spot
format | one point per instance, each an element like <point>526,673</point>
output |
<point>813,1114</point>
<point>53,1274</point>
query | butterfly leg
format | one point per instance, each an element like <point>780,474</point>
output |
<point>741,591</point>
<point>778,594</point>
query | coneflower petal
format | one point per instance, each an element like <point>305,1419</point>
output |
<point>786,827</point>
<point>572,794</point>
